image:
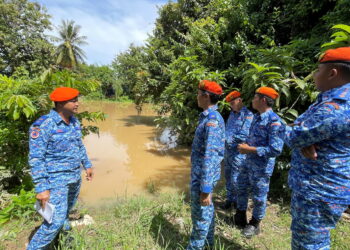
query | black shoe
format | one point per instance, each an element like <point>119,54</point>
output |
<point>234,205</point>
<point>253,228</point>
<point>240,218</point>
<point>228,205</point>
<point>249,231</point>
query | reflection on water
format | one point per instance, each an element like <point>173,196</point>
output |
<point>168,138</point>
<point>127,155</point>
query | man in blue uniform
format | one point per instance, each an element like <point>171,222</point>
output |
<point>237,131</point>
<point>319,139</point>
<point>207,153</point>
<point>264,144</point>
<point>56,153</point>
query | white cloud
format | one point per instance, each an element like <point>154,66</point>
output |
<point>110,25</point>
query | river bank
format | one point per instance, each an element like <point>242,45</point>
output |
<point>128,157</point>
<point>139,198</point>
<point>163,221</point>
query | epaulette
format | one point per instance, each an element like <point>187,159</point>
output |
<point>274,117</point>
<point>212,115</point>
<point>276,120</point>
<point>342,94</point>
<point>39,121</point>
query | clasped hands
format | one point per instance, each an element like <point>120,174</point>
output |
<point>308,152</point>
<point>244,148</point>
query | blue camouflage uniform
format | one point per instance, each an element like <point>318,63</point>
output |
<point>321,187</point>
<point>56,153</point>
<point>237,131</point>
<point>266,134</point>
<point>207,153</point>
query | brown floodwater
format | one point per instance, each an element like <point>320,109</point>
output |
<point>127,157</point>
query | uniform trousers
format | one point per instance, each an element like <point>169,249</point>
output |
<point>257,184</point>
<point>203,223</point>
<point>63,198</point>
<point>312,221</point>
<point>232,163</point>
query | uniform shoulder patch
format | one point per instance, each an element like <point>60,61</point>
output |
<point>35,132</point>
<point>343,94</point>
<point>333,104</point>
<point>35,129</point>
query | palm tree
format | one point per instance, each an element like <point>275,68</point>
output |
<point>68,53</point>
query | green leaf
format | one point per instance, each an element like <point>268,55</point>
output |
<point>300,83</point>
<point>339,34</point>
<point>293,112</point>
<point>272,73</point>
<point>15,114</point>
<point>19,101</point>
<point>259,68</point>
<point>328,44</point>
<point>286,92</point>
<point>342,27</point>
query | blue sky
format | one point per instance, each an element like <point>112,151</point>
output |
<point>110,25</point>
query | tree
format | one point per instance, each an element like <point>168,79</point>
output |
<point>23,44</point>
<point>243,44</point>
<point>24,100</point>
<point>130,67</point>
<point>68,53</point>
<point>110,87</point>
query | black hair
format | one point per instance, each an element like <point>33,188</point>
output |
<point>214,98</point>
<point>269,101</point>
<point>344,69</point>
<point>57,103</point>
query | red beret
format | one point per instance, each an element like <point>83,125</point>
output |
<point>210,86</point>
<point>341,54</point>
<point>233,95</point>
<point>63,94</point>
<point>270,92</point>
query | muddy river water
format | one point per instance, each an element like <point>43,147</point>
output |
<point>127,157</point>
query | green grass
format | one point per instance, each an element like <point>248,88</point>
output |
<point>152,187</point>
<point>162,221</point>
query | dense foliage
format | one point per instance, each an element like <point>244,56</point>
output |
<point>242,44</point>
<point>110,86</point>
<point>22,102</point>
<point>23,44</point>
<point>29,70</point>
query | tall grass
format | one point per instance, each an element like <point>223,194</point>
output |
<point>163,221</point>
